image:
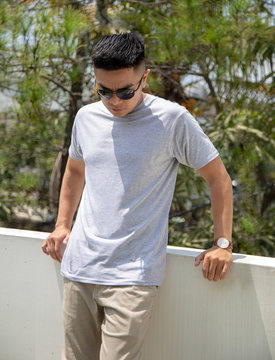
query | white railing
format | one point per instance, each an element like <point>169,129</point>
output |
<point>194,319</point>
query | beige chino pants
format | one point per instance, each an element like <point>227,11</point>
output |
<point>105,322</point>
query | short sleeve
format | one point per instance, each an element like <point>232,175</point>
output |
<point>75,151</point>
<point>190,145</point>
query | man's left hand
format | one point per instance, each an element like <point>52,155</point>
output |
<point>216,263</point>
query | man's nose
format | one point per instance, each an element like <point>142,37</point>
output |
<point>114,99</point>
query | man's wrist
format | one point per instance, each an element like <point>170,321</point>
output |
<point>223,243</point>
<point>63,224</point>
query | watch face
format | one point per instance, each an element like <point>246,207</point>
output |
<point>223,243</point>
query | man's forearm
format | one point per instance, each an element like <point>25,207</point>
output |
<point>216,261</point>
<point>222,207</point>
<point>71,190</point>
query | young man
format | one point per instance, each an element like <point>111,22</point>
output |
<point>126,149</point>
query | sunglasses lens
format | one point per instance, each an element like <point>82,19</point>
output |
<point>105,94</point>
<point>125,95</point>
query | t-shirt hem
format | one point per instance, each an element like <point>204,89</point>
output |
<point>119,282</point>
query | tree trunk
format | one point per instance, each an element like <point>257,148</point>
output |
<point>101,12</point>
<point>172,88</point>
<point>74,105</point>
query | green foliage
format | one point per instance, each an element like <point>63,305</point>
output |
<point>229,47</point>
<point>213,56</point>
<point>37,68</point>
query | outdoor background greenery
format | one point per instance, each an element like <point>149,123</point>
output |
<point>214,57</point>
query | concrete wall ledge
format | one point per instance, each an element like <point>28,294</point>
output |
<point>173,250</point>
<point>194,319</point>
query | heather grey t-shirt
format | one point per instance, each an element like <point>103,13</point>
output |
<point>121,229</point>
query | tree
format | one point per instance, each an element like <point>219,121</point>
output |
<point>217,62</point>
<point>45,65</point>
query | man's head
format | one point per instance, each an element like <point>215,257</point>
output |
<point>119,51</point>
<point>120,72</point>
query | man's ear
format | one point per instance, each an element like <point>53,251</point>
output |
<point>147,72</point>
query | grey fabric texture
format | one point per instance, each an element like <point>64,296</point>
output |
<point>131,162</point>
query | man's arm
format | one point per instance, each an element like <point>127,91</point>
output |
<point>216,261</point>
<point>71,190</point>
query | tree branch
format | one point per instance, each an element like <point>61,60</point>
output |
<point>212,92</point>
<point>101,12</point>
<point>149,5</point>
<point>185,212</point>
<point>60,85</point>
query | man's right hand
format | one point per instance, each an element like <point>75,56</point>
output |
<point>55,244</point>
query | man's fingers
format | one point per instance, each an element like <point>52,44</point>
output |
<point>52,248</point>
<point>55,243</point>
<point>58,253</point>
<point>212,269</point>
<point>216,263</point>
<point>205,267</point>
<point>199,259</point>
<point>45,247</point>
<point>219,270</point>
<point>225,270</point>
<point>65,241</point>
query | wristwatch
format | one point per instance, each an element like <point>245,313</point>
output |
<point>223,243</point>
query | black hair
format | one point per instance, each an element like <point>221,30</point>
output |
<point>118,51</point>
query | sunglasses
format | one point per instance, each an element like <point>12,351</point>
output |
<point>123,94</point>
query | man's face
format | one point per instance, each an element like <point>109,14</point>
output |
<point>122,79</point>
